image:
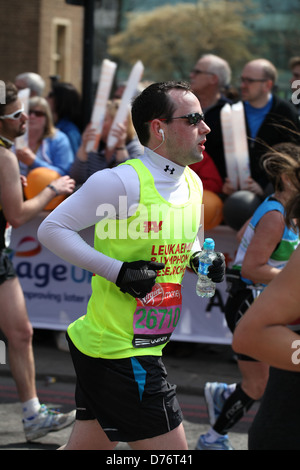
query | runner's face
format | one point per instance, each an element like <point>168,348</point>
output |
<point>185,141</point>
<point>13,128</point>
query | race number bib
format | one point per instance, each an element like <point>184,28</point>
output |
<point>157,315</point>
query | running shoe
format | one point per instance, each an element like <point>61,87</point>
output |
<point>46,421</point>
<point>214,399</point>
<point>222,443</point>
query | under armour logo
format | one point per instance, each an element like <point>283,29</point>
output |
<point>171,170</point>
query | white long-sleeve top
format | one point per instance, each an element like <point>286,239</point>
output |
<point>59,231</point>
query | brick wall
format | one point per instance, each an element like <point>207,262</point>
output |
<point>26,38</point>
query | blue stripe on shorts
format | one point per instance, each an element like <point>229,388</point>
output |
<point>139,375</point>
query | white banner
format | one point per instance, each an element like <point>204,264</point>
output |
<point>57,293</point>
<point>103,91</point>
<point>125,105</point>
<point>229,147</point>
<point>235,144</point>
<point>240,142</point>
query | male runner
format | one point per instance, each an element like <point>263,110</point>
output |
<point>147,216</point>
<point>14,323</point>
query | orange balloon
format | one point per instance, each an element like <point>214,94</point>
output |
<point>37,180</point>
<point>213,209</point>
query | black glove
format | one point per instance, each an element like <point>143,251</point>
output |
<point>216,271</point>
<point>138,277</point>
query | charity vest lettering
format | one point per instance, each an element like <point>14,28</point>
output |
<point>117,325</point>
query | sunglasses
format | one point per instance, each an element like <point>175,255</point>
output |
<point>15,116</point>
<point>252,80</point>
<point>37,113</point>
<point>193,118</point>
<point>198,72</point>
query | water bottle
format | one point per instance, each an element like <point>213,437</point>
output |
<point>205,287</point>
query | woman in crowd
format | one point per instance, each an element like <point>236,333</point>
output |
<point>47,146</point>
<point>65,103</point>
<point>127,146</point>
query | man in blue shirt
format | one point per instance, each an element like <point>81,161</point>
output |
<point>270,120</point>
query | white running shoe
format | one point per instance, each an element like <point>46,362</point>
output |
<point>222,443</point>
<point>46,421</point>
<point>214,399</point>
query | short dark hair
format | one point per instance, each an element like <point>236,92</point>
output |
<point>11,95</point>
<point>154,103</point>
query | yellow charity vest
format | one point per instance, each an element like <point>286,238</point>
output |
<point>116,324</point>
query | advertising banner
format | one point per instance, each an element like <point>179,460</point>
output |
<point>57,292</point>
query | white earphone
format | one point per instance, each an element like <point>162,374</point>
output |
<point>163,139</point>
<point>162,133</point>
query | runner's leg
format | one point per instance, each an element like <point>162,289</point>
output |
<point>88,435</point>
<point>173,440</point>
<point>17,328</point>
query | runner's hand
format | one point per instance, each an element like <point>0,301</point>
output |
<point>216,271</point>
<point>138,277</point>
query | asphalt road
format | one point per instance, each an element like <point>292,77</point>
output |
<point>60,395</point>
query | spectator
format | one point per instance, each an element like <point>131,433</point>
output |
<point>208,173</point>
<point>210,79</point>
<point>270,120</point>
<point>127,146</point>
<point>65,104</point>
<point>48,147</point>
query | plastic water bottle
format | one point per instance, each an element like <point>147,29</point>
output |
<point>205,287</point>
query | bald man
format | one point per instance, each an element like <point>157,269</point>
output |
<point>209,79</point>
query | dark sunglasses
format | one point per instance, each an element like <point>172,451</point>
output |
<point>192,118</point>
<point>37,113</point>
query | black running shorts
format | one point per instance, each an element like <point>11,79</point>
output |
<point>7,270</point>
<point>130,398</point>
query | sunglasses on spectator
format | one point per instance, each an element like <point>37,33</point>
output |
<point>14,116</point>
<point>193,118</point>
<point>37,113</point>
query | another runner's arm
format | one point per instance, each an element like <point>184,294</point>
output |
<point>268,233</point>
<point>262,332</point>
<point>16,210</point>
